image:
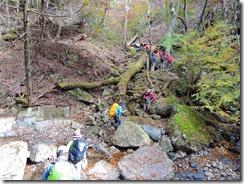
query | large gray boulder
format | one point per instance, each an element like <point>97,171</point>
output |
<point>13,157</point>
<point>130,135</point>
<point>41,151</point>
<point>146,163</point>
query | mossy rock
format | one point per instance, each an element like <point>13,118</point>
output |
<point>81,95</point>
<point>9,36</point>
<point>185,125</point>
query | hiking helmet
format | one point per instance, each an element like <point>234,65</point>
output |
<point>77,134</point>
<point>121,103</point>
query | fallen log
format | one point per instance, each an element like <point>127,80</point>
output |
<point>131,71</point>
<point>88,85</point>
<point>131,40</point>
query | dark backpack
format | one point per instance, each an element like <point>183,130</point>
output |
<point>76,153</point>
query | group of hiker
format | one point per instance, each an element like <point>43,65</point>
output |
<point>71,159</point>
<point>164,59</point>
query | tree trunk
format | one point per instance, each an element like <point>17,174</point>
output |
<point>27,52</point>
<point>149,23</point>
<point>173,20</point>
<point>127,8</point>
<point>202,15</point>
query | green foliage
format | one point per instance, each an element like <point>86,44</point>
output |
<point>170,40</point>
<point>216,57</point>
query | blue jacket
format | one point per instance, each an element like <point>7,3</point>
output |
<point>152,59</point>
<point>119,110</point>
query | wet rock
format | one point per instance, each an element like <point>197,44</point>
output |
<point>198,175</point>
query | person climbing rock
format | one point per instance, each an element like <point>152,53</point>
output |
<point>61,169</point>
<point>77,151</point>
<point>117,114</point>
<point>148,97</point>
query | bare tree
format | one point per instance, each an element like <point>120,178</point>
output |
<point>202,15</point>
<point>27,52</point>
<point>126,12</point>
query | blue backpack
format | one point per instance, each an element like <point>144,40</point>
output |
<point>77,151</point>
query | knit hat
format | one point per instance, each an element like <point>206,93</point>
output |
<point>121,103</point>
<point>77,134</point>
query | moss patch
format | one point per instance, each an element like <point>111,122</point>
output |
<point>191,125</point>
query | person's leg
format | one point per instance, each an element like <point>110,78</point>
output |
<point>78,167</point>
<point>84,162</point>
<point>153,66</point>
<point>145,104</point>
<point>117,121</point>
<point>163,64</point>
<point>148,104</point>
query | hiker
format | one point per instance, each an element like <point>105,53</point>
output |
<point>77,151</point>
<point>117,114</point>
<point>161,59</point>
<point>148,97</point>
<point>61,169</point>
<point>148,49</point>
<point>137,47</point>
<point>169,61</point>
<point>152,61</point>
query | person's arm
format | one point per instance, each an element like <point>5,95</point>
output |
<point>154,97</point>
<point>46,172</point>
<point>69,145</point>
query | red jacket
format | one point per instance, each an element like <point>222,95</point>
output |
<point>150,95</point>
<point>169,58</point>
<point>147,47</point>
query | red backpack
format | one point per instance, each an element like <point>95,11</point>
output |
<point>169,57</point>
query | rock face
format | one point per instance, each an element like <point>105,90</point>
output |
<point>147,163</point>
<point>13,157</point>
<point>130,135</point>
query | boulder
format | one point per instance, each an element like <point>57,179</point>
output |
<point>130,135</point>
<point>13,158</point>
<point>146,163</point>
<point>187,130</point>
<point>41,152</point>
<point>103,171</point>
